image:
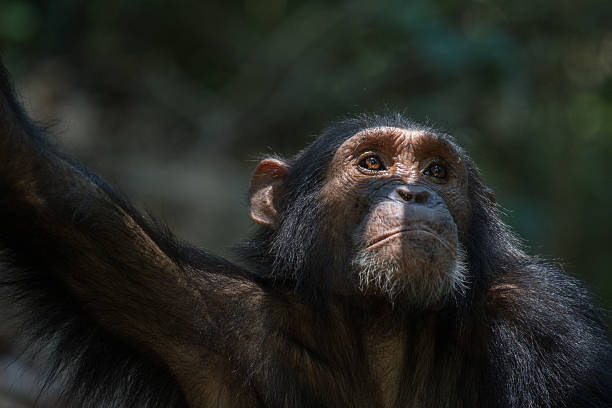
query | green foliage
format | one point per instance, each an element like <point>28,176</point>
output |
<point>18,21</point>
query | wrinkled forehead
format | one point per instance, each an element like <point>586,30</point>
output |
<point>398,139</point>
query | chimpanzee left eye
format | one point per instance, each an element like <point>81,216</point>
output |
<point>435,170</point>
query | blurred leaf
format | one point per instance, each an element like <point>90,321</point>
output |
<point>19,21</point>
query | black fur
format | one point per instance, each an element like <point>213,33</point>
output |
<point>524,334</point>
<point>547,349</point>
<point>89,363</point>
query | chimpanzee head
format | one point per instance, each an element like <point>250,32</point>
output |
<point>378,206</point>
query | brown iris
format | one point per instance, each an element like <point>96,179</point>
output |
<point>371,163</point>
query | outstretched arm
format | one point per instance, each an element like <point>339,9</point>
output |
<point>108,288</point>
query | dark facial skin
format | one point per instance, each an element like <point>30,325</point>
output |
<point>403,199</point>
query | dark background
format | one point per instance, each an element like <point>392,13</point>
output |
<point>173,101</point>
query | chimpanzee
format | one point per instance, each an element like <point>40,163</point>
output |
<point>381,275</point>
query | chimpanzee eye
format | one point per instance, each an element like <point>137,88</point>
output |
<point>372,163</point>
<point>435,170</point>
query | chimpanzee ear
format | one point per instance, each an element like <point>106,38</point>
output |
<point>265,190</point>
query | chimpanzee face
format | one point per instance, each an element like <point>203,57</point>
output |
<point>400,199</point>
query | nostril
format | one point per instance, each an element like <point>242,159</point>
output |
<point>404,195</point>
<point>421,198</point>
<point>410,196</point>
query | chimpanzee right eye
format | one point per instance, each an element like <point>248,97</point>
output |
<point>372,163</point>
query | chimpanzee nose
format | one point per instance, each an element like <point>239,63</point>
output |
<point>414,194</point>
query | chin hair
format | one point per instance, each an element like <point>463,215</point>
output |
<point>414,282</point>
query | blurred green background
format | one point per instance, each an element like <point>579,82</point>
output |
<point>173,101</point>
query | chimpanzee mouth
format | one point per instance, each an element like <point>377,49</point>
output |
<point>419,230</point>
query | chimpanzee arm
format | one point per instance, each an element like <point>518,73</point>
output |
<point>100,282</point>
